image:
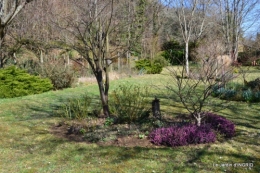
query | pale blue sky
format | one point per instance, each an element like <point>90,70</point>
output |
<point>251,23</point>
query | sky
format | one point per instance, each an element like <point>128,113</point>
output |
<point>251,23</point>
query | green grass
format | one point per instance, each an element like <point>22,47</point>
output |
<point>27,145</point>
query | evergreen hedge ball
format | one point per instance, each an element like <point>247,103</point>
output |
<point>15,82</point>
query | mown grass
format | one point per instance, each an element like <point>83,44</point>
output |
<point>27,144</point>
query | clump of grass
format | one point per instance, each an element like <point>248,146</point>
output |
<point>128,103</point>
<point>76,108</point>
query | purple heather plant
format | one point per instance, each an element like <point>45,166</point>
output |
<point>185,135</point>
<point>220,124</point>
<point>193,134</point>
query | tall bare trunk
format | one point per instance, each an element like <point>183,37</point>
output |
<point>103,91</point>
<point>198,119</point>
<point>187,59</point>
<point>2,35</point>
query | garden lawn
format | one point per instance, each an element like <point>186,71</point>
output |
<point>27,144</point>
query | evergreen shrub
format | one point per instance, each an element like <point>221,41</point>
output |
<point>15,82</point>
<point>173,52</point>
<point>142,64</point>
<point>155,68</point>
<point>160,60</point>
<point>150,67</point>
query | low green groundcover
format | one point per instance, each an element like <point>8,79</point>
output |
<point>249,92</point>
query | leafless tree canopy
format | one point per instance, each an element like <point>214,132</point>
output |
<point>8,11</point>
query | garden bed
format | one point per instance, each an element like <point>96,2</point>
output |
<point>105,133</point>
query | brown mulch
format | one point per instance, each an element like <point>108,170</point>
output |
<point>122,135</point>
<point>96,130</point>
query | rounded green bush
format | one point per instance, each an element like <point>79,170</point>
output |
<point>154,69</point>
<point>15,82</point>
<point>149,66</point>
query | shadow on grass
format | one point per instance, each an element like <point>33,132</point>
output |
<point>246,114</point>
<point>246,117</point>
<point>178,159</point>
<point>194,160</point>
<point>166,159</point>
<point>39,109</point>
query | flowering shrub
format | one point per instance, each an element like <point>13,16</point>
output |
<point>185,135</point>
<point>220,124</point>
<point>212,126</point>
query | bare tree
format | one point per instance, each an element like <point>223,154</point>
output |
<point>194,92</point>
<point>156,21</point>
<point>214,70</point>
<point>233,15</point>
<point>191,16</point>
<point>9,9</point>
<point>97,30</point>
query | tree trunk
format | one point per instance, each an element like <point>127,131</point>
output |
<point>2,35</point>
<point>235,48</point>
<point>119,63</point>
<point>103,92</point>
<point>1,61</point>
<point>198,119</point>
<point>187,58</point>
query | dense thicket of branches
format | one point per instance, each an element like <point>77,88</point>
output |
<point>150,23</point>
